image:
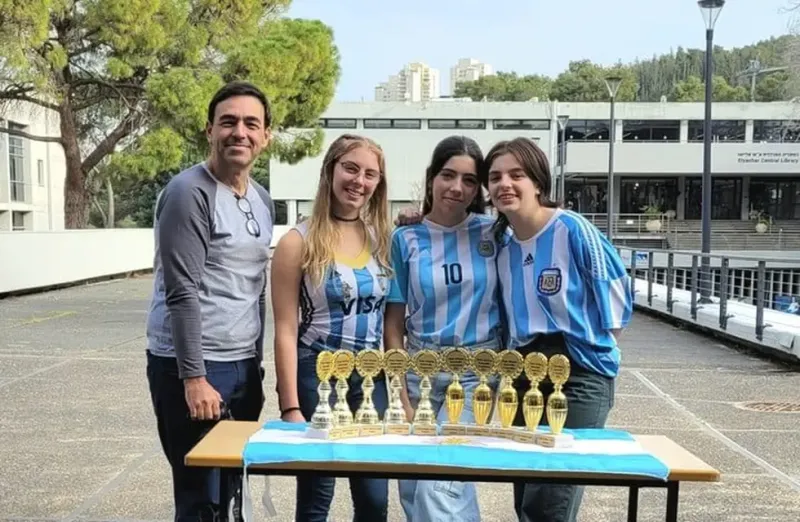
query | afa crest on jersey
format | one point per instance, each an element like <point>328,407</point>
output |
<point>549,282</point>
<point>486,248</point>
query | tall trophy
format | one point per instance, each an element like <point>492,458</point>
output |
<point>395,364</point>
<point>425,364</point>
<point>343,364</point>
<point>322,420</point>
<point>483,363</point>
<point>369,364</point>
<point>509,366</point>
<point>558,370</point>
<point>533,400</point>
<point>456,362</point>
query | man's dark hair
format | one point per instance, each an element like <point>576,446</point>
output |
<point>240,89</point>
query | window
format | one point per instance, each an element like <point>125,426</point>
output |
<point>651,130</point>
<point>18,221</point>
<point>586,130</point>
<point>304,209</point>
<point>16,164</point>
<point>521,124</point>
<point>281,217</point>
<point>40,172</point>
<point>334,123</point>
<point>721,130</point>
<point>457,124</point>
<point>392,124</point>
<point>776,131</point>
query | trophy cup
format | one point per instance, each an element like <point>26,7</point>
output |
<point>322,420</point>
<point>509,366</point>
<point>425,364</point>
<point>483,364</point>
<point>368,364</point>
<point>395,364</point>
<point>558,370</point>
<point>455,361</point>
<point>533,400</point>
<point>343,363</point>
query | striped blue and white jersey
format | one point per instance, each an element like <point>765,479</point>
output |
<point>346,310</point>
<point>567,279</point>
<point>446,277</point>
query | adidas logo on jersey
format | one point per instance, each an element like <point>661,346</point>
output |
<point>528,260</point>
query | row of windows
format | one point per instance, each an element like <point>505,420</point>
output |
<point>773,131</point>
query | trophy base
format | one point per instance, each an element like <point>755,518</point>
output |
<point>509,433</point>
<point>473,430</point>
<point>424,430</point>
<point>548,440</point>
<point>454,429</point>
<point>370,430</point>
<point>335,433</point>
<point>524,436</point>
<point>403,428</point>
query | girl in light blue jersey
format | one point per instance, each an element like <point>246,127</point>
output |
<point>444,295</point>
<point>330,278</point>
<point>565,290</point>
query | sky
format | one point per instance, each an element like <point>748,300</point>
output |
<point>376,38</point>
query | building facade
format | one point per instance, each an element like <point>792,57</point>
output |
<point>467,70</point>
<point>32,173</point>
<point>416,82</point>
<point>658,152</point>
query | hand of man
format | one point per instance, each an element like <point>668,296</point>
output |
<point>293,416</point>
<point>202,399</point>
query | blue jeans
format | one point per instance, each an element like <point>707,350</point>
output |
<point>441,501</point>
<point>314,494</point>
<point>590,397</point>
<point>196,491</point>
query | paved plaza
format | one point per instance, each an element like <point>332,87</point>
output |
<point>78,438</point>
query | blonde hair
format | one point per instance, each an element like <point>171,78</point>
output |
<point>323,234</point>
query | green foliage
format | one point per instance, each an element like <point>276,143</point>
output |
<point>140,74</point>
<point>693,89</point>
<point>584,81</point>
<point>506,87</point>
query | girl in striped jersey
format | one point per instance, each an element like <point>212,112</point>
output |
<point>330,278</point>
<point>444,294</point>
<point>565,290</point>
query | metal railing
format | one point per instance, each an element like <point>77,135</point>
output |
<point>632,224</point>
<point>772,283</point>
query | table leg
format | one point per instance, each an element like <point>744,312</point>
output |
<point>672,502</point>
<point>633,503</point>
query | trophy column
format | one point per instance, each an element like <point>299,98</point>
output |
<point>368,364</point>
<point>558,369</point>
<point>322,420</point>
<point>483,363</point>
<point>395,364</point>
<point>425,364</point>
<point>456,362</point>
<point>533,401</point>
<point>343,364</point>
<point>509,366</point>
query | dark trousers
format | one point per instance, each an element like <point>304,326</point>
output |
<point>590,397</point>
<point>314,494</point>
<point>197,490</point>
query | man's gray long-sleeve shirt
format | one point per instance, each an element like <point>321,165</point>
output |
<point>209,272</point>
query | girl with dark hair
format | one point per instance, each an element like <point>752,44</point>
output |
<point>444,295</point>
<point>565,291</point>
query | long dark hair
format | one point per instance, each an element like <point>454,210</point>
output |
<point>446,149</point>
<point>534,162</point>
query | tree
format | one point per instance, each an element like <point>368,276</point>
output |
<point>131,79</point>
<point>693,90</point>
<point>583,81</point>
<point>505,87</point>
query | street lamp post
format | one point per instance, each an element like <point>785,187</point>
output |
<point>613,82</point>
<point>562,156</point>
<point>710,10</point>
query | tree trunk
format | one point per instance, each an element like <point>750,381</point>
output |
<point>76,197</point>
<point>110,217</point>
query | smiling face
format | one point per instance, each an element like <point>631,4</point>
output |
<point>511,189</point>
<point>455,186</point>
<point>238,134</point>
<point>356,175</point>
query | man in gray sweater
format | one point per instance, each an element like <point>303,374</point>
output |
<point>205,327</point>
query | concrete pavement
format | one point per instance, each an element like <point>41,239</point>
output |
<point>78,439</point>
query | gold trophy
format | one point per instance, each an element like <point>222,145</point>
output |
<point>369,364</point>
<point>509,366</point>
<point>483,363</point>
<point>322,420</point>
<point>558,370</point>
<point>425,364</point>
<point>533,400</point>
<point>343,364</point>
<point>395,364</point>
<point>455,361</point>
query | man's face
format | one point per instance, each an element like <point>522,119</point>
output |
<point>238,135</point>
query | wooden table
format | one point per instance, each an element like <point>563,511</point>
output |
<point>222,448</point>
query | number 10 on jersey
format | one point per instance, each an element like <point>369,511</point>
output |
<point>452,273</point>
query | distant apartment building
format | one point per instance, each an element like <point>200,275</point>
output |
<point>32,173</point>
<point>416,82</point>
<point>468,70</point>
